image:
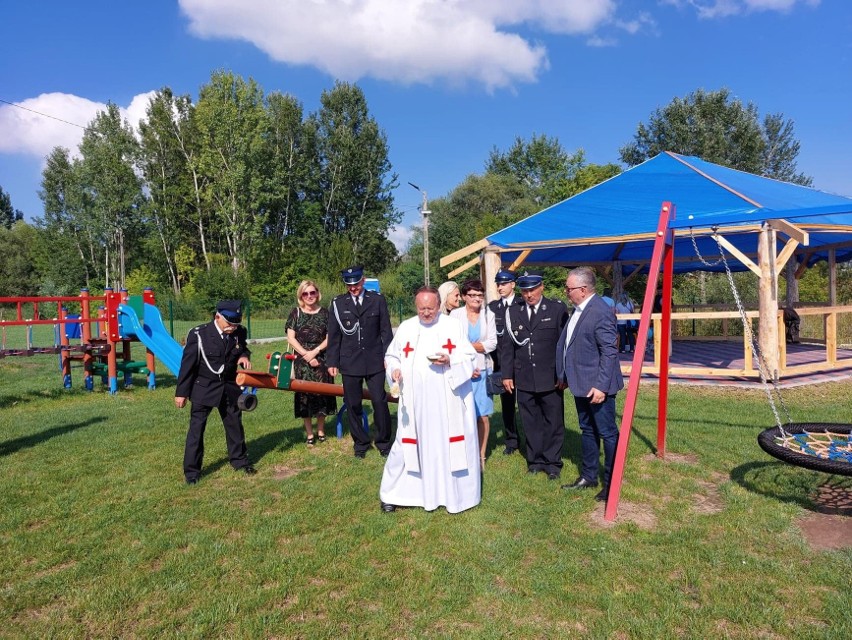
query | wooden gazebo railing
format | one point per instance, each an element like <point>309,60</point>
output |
<point>829,318</point>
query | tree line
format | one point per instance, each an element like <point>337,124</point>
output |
<point>242,194</point>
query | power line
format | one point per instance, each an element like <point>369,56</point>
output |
<point>46,115</point>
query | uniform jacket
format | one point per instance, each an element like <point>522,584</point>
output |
<point>526,353</point>
<point>499,312</point>
<point>200,382</point>
<point>358,337</point>
<point>592,356</point>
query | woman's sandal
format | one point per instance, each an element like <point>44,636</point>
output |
<point>321,437</point>
<point>310,441</point>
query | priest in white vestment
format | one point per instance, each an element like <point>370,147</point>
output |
<point>434,460</point>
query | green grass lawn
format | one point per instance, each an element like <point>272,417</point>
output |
<point>101,537</point>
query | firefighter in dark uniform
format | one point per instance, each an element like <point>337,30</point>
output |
<point>506,288</point>
<point>207,377</point>
<point>359,333</point>
<point>528,364</point>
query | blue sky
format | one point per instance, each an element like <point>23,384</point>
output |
<point>446,79</point>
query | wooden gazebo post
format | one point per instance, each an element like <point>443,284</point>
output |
<point>768,302</point>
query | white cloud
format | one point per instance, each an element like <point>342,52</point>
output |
<point>400,236</point>
<point>406,41</point>
<point>38,125</point>
<point>723,8</point>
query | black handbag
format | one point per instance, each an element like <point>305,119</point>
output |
<point>494,383</point>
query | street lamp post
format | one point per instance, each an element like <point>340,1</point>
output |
<point>424,210</point>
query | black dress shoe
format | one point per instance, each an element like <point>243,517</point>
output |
<point>361,454</point>
<point>602,495</point>
<point>580,483</point>
<point>192,481</point>
<point>509,451</point>
<point>532,472</point>
<point>553,476</point>
<point>388,508</point>
<point>248,470</point>
<point>385,453</point>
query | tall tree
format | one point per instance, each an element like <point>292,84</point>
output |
<point>168,178</point>
<point>352,178</point>
<point>719,128</point>
<point>18,275</point>
<point>8,214</point>
<point>72,252</point>
<point>288,162</point>
<point>541,165</point>
<point>479,206</point>
<point>110,151</point>
<point>232,122</point>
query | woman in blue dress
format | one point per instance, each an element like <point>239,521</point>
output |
<point>482,333</point>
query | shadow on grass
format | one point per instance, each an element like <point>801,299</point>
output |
<point>281,440</point>
<point>780,481</point>
<point>49,394</point>
<point>13,446</point>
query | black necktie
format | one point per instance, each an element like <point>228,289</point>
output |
<point>532,314</point>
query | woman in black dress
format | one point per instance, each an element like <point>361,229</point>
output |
<point>307,333</point>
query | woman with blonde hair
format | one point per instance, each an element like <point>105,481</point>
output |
<point>307,333</point>
<point>450,296</point>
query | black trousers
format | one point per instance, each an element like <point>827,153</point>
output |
<point>352,396</point>
<point>507,409</point>
<point>234,436</point>
<point>542,415</point>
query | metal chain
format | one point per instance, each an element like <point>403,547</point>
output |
<point>698,253</point>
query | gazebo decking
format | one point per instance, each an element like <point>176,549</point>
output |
<point>699,355</point>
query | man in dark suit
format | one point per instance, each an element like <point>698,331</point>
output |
<point>207,377</point>
<point>528,365</point>
<point>587,363</point>
<point>359,333</point>
<point>506,288</point>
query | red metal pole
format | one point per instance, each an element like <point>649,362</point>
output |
<point>86,339</point>
<point>148,298</point>
<point>663,236</point>
<point>665,348</point>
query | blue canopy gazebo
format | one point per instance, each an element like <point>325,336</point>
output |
<point>653,217</point>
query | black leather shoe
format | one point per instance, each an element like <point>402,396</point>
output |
<point>509,451</point>
<point>248,470</point>
<point>532,472</point>
<point>192,481</point>
<point>385,453</point>
<point>580,483</point>
<point>388,508</point>
<point>361,454</point>
<point>602,495</point>
<point>553,476</point>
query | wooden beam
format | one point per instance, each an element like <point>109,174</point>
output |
<point>634,273</point>
<point>785,254</point>
<point>463,253</point>
<point>739,255</point>
<point>790,230</point>
<point>803,266</point>
<point>467,265</point>
<point>520,260</point>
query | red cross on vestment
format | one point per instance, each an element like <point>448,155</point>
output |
<point>407,349</point>
<point>449,346</point>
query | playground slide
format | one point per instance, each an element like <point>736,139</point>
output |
<point>153,334</point>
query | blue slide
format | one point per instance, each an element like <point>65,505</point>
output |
<point>153,334</point>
